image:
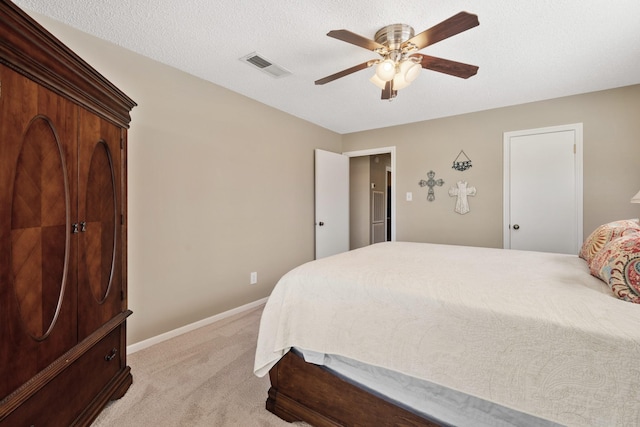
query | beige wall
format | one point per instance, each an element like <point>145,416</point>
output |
<point>611,163</point>
<point>202,217</point>
<point>219,186</point>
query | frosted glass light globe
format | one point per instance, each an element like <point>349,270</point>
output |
<point>408,71</point>
<point>412,71</point>
<point>386,70</point>
<point>377,81</point>
<point>399,82</point>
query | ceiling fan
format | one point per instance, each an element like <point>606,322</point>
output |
<point>397,45</point>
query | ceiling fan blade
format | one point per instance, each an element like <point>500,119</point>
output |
<point>346,72</point>
<point>447,66</point>
<point>388,92</point>
<point>356,39</point>
<point>463,21</point>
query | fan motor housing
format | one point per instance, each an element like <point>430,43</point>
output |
<point>392,36</point>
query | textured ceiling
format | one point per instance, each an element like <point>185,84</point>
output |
<point>526,50</point>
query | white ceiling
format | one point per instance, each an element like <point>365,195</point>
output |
<point>527,50</point>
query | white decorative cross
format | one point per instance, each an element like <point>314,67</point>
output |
<point>462,191</point>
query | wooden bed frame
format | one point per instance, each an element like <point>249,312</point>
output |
<point>306,392</point>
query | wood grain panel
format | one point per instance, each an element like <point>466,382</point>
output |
<point>38,223</point>
<point>100,280</point>
<point>38,131</point>
<point>101,221</point>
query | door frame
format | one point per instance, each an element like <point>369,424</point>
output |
<point>506,199</point>
<point>383,150</point>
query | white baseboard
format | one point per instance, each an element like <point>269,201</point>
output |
<point>188,328</point>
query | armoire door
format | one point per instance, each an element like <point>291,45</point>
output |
<point>100,213</point>
<point>37,204</point>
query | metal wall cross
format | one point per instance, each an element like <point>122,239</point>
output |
<point>431,196</point>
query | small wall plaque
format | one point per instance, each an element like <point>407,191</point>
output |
<point>462,162</point>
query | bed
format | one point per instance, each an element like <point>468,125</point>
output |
<point>502,337</point>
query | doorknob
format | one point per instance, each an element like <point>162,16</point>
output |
<point>321,223</point>
<point>516,227</point>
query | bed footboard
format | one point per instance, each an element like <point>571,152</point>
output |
<point>302,391</point>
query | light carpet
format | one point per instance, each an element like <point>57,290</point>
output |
<point>201,378</point>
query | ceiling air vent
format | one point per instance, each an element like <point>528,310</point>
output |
<point>265,65</point>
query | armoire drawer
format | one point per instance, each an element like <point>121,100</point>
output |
<point>64,398</point>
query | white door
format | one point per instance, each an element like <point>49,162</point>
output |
<point>332,203</point>
<point>543,189</point>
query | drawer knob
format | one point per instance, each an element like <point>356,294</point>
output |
<point>109,357</point>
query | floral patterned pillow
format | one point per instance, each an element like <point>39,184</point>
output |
<point>604,234</point>
<point>618,265</point>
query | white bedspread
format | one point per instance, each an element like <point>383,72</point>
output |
<point>528,330</point>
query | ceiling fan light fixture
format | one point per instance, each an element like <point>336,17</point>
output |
<point>411,70</point>
<point>385,70</point>
<point>408,70</point>
<point>397,45</point>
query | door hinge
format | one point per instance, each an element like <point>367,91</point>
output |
<point>574,148</point>
<point>121,295</point>
<point>121,143</point>
<point>121,219</point>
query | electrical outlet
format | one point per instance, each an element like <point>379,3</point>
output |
<point>409,196</point>
<point>253,279</point>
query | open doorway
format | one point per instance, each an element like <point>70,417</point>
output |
<point>371,189</point>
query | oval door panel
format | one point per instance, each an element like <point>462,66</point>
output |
<point>101,214</point>
<point>39,238</point>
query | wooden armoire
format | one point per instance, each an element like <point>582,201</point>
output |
<point>63,231</point>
